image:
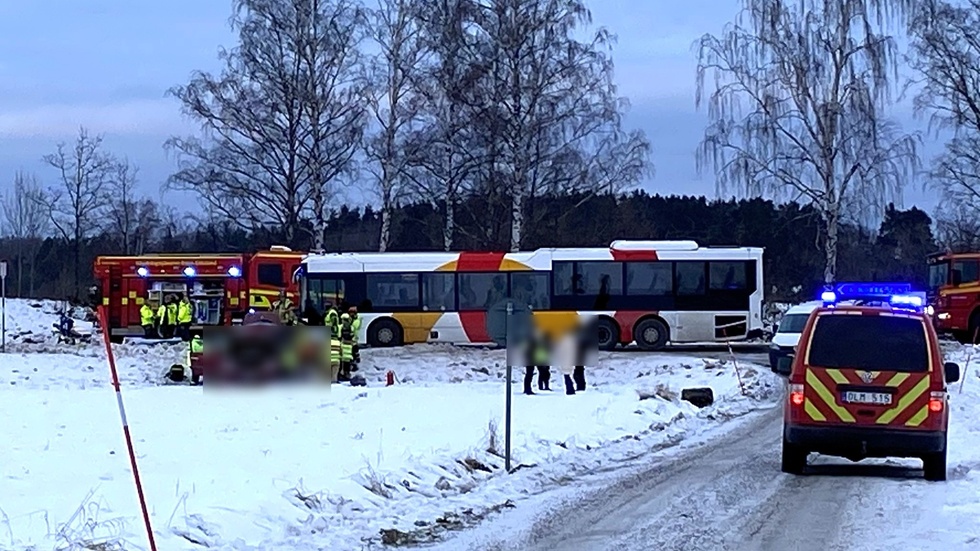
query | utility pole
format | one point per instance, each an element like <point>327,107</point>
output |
<point>510,386</point>
<point>3,306</point>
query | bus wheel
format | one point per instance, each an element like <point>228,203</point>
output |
<point>384,333</point>
<point>974,335</point>
<point>608,336</point>
<point>650,334</point>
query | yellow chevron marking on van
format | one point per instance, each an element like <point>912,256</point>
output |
<point>812,411</point>
<point>905,401</point>
<point>898,379</point>
<point>837,376</point>
<point>919,418</point>
<point>827,397</point>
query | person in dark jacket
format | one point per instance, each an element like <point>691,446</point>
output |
<point>312,314</point>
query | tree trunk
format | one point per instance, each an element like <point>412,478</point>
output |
<point>20,273</point>
<point>517,218</point>
<point>450,225</point>
<point>830,248</point>
<point>385,239</point>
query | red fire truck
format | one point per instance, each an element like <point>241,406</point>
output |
<point>954,294</point>
<point>222,287</point>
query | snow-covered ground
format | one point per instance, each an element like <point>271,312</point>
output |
<point>314,469</point>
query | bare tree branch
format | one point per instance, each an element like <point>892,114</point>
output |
<point>800,91</point>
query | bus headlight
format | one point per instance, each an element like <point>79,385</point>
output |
<point>930,311</point>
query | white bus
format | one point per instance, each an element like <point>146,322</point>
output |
<point>647,292</point>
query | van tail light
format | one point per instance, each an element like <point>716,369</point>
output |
<point>937,401</point>
<point>796,395</point>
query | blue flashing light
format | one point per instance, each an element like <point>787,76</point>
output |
<point>142,271</point>
<point>235,271</point>
<point>896,295</point>
<point>190,271</point>
<point>906,300</point>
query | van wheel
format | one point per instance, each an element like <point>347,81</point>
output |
<point>385,333</point>
<point>650,334</point>
<point>934,466</point>
<point>608,334</point>
<point>794,458</point>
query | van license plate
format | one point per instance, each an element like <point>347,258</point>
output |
<point>876,398</point>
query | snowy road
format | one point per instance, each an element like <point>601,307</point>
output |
<point>729,494</point>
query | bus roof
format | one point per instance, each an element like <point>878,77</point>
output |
<point>540,259</point>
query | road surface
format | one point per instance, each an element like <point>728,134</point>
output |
<point>729,494</point>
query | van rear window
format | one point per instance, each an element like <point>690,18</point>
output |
<point>869,343</point>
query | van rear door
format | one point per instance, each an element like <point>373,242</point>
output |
<point>868,368</point>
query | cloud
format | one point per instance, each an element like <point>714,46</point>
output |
<point>159,117</point>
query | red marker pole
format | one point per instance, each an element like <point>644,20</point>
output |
<point>125,425</point>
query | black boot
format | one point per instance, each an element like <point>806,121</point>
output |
<point>569,385</point>
<point>544,378</point>
<point>528,379</point>
<point>580,378</point>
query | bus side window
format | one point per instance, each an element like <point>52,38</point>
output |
<point>727,276</point>
<point>439,292</point>
<point>531,288</point>
<point>689,278</point>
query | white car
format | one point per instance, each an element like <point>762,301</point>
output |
<point>789,330</point>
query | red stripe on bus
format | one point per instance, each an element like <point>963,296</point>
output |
<point>626,320</point>
<point>479,262</point>
<point>475,326</point>
<point>636,256</point>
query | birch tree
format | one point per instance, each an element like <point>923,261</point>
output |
<point>77,203</point>
<point>331,63</point>
<point>442,155</point>
<point>393,100</point>
<point>123,205</point>
<point>276,121</point>
<point>946,54</point>
<point>798,106</point>
<point>559,122</point>
<point>26,222</point>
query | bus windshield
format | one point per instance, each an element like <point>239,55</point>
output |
<point>938,275</point>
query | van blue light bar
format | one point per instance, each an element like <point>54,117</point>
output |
<point>897,295</point>
<point>871,290</point>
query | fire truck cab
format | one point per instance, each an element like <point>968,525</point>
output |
<point>954,295</point>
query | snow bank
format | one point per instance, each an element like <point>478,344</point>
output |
<point>314,469</point>
<point>30,324</point>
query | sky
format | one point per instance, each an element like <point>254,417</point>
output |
<point>106,65</point>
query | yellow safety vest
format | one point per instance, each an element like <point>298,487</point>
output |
<point>146,315</point>
<point>184,312</point>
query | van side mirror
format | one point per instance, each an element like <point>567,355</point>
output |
<point>952,372</point>
<point>784,366</point>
